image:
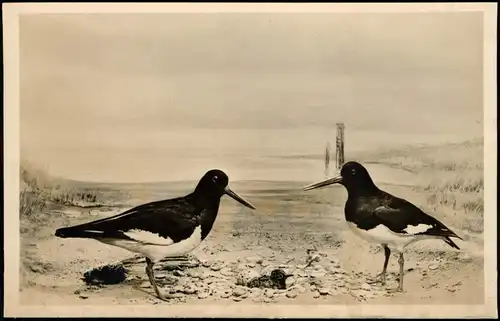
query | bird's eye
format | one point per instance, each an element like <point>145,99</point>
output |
<point>215,178</point>
<point>353,171</point>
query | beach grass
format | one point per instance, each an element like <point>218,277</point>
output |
<point>38,189</point>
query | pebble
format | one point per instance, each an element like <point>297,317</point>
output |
<point>251,265</point>
<point>194,274</point>
<point>313,287</point>
<point>206,264</point>
<point>239,291</point>
<point>334,292</point>
<point>84,296</point>
<point>316,294</point>
<point>291,294</point>
<point>366,287</point>
<point>269,293</point>
<point>324,291</point>
<point>216,267</point>
<point>203,295</point>
<point>190,290</point>
<point>77,292</point>
<point>255,292</point>
<point>237,298</point>
<point>301,289</point>
<point>290,281</point>
<point>247,275</point>
<point>146,284</point>
<point>433,266</point>
<point>226,272</point>
<point>267,300</point>
<point>317,274</point>
<point>177,295</point>
<point>265,263</point>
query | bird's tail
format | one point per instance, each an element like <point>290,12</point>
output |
<point>450,242</point>
<point>77,231</point>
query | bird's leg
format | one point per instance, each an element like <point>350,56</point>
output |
<point>387,253</point>
<point>382,276</point>
<point>150,273</point>
<point>401,262</point>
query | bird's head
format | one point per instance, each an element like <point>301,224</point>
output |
<point>279,275</point>
<point>353,176</point>
<point>214,184</point>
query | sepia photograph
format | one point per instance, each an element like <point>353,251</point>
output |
<point>250,160</point>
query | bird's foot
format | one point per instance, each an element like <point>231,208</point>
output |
<point>395,290</point>
<point>379,278</point>
<point>164,295</point>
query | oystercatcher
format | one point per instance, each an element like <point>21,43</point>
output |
<point>162,229</point>
<point>382,218</point>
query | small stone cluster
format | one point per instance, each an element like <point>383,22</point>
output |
<point>318,276</point>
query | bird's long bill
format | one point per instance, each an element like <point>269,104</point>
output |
<point>238,198</point>
<point>330,181</point>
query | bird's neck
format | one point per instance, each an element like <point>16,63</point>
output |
<point>205,201</point>
<point>208,207</point>
<point>361,191</point>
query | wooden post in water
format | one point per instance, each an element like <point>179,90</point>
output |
<point>327,159</point>
<point>340,145</point>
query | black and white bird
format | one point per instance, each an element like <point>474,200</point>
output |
<point>162,229</point>
<point>382,218</point>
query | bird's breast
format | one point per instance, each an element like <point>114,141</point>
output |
<point>158,251</point>
<point>381,234</point>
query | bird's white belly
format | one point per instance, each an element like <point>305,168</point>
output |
<point>383,235</point>
<point>157,252</point>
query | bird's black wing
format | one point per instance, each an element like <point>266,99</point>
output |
<point>161,222</point>
<point>402,217</point>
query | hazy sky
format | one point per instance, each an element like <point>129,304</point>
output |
<point>138,97</point>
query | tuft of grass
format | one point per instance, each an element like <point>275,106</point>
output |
<point>30,204</point>
<point>38,185</point>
